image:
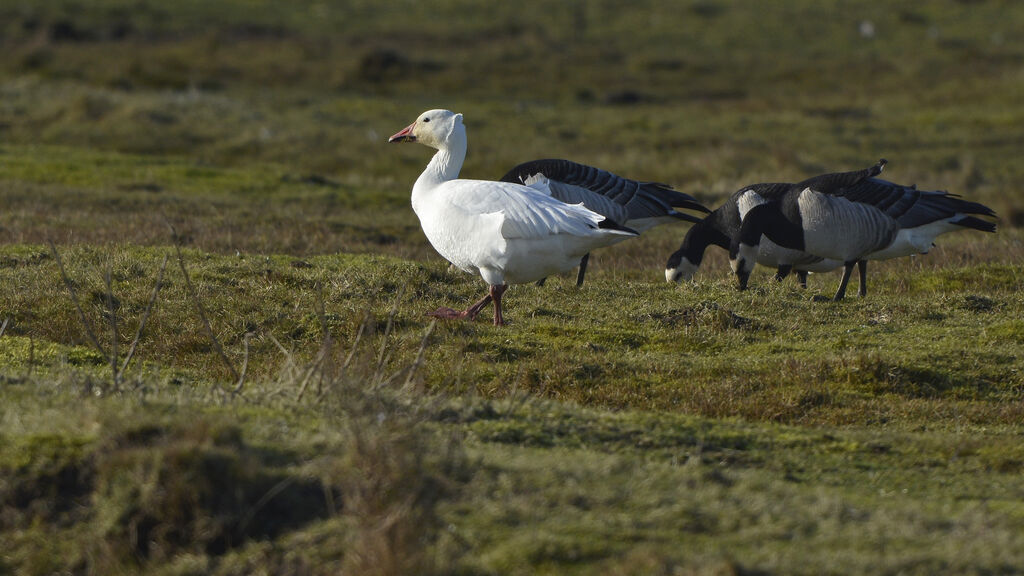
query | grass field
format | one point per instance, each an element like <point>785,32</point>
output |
<point>214,357</point>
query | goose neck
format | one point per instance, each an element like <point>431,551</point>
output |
<point>446,163</point>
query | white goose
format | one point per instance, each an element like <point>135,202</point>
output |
<point>637,205</point>
<point>508,233</point>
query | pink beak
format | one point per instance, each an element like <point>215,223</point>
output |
<point>405,135</point>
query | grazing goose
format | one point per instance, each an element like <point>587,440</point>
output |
<point>723,224</point>
<point>854,217</point>
<point>637,205</point>
<point>508,233</point>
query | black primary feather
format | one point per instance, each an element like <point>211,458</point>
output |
<point>640,199</point>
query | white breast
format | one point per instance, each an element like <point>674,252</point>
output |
<point>462,238</point>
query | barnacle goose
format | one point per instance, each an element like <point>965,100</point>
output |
<point>723,224</point>
<point>637,205</point>
<point>854,217</point>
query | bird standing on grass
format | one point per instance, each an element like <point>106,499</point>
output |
<point>637,205</point>
<point>853,217</point>
<point>507,233</point>
<point>723,224</point>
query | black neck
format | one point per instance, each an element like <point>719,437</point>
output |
<point>769,220</point>
<point>700,236</point>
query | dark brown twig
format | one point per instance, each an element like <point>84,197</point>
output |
<point>318,362</point>
<point>115,336</point>
<point>199,308</point>
<point>74,298</point>
<point>245,365</point>
<point>326,366</point>
<point>31,354</point>
<point>355,345</point>
<point>382,357</point>
<point>145,316</point>
<point>419,355</point>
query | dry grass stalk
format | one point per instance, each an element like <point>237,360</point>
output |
<point>89,332</point>
<point>327,367</point>
<point>383,356</point>
<point>194,297</point>
<point>145,316</point>
<point>116,372</point>
<point>115,336</point>
<point>419,356</point>
<point>245,365</point>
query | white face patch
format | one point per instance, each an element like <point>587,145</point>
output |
<point>683,272</point>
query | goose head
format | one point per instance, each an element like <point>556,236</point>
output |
<point>679,267</point>
<point>432,128</point>
<point>683,263</point>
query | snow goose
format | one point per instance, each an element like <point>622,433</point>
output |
<point>854,217</point>
<point>637,205</point>
<point>506,232</point>
<point>723,224</point>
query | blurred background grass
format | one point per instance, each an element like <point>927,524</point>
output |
<point>703,95</point>
<point>265,105</point>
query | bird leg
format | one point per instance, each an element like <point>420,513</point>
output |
<point>452,314</point>
<point>783,271</point>
<point>579,275</point>
<point>583,269</point>
<point>846,278</point>
<point>801,276</point>
<point>742,277</point>
<point>495,293</point>
<point>862,267</point>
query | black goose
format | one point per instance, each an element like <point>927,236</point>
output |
<point>854,217</point>
<point>637,205</point>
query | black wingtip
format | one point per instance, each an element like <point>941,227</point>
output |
<point>609,224</point>
<point>976,224</point>
<point>685,216</point>
<point>697,206</point>
<point>673,197</point>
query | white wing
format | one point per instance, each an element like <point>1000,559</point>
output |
<point>526,211</point>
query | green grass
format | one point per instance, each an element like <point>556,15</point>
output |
<point>628,427</point>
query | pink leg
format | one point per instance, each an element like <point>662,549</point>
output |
<point>471,312</point>
<point>475,309</point>
<point>495,294</point>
